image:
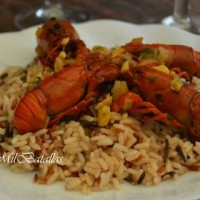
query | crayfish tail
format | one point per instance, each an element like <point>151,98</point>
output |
<point>30,114</point>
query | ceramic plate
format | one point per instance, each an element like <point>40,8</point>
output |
<point>18,49</point>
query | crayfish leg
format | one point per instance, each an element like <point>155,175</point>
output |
<point>73,111</point>
<point>181,74</point>
<point>134,104</point>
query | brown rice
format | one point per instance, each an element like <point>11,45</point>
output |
<point>126,150</point>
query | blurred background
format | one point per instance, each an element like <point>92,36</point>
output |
<point>139,12</point>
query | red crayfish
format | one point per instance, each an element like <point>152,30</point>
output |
<point>67,92</point>
<point>173,107</point>
<point>56,36</point>
<point>179,58</point>
<point>72,89</point>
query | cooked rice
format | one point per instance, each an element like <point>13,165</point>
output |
<point>126,150</point>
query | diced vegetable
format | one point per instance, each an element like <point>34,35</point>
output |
<point>127,104</point>
<point>137,40</point>
<point>125,67</point>
<point>176,84</point>
<point>162,68</point>
<point>117,51</point>
<point>160,54</point>
<point>60,61</point>
<point>65,41</point>
<point>101,50</point>
<point>119,88</point>
<point>148,53</point>
<point>104,115</point>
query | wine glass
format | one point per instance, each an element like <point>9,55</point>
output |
<point>50,9</point>
<point>180,17</point>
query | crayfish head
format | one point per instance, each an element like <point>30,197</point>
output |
<point>52,38</point>
<point>56,29</point>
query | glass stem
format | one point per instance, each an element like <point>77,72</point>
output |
<point>49,2</point>
<point>181,9</point>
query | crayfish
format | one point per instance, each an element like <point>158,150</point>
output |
<point>182,59</point>
<point>72,89</point>
<point>67,92</point>
<point>58,36</point>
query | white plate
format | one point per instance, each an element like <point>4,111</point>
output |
<point>18,49</point>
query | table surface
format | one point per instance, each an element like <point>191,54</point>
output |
<point>135,11</point>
